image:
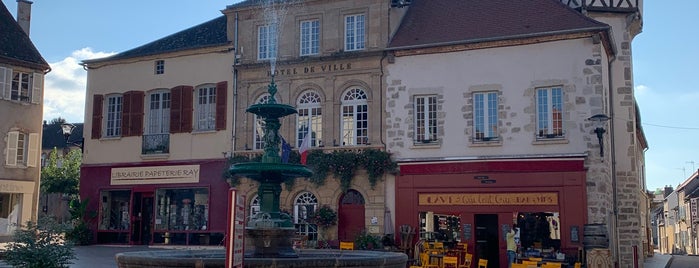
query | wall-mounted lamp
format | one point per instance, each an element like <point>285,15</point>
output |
<point>67,129</point>
<point>600,121</point>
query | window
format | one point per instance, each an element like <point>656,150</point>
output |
<point>549,108</point>
<point>309,116</point>
<point>21,86</point>
<point>10,212</point>
<point>485,116</point>
<point>354,118</point>
<point>114,210</point>
<point>425,118</point>
<point>260,125</point>
<point>304,205</point>
<point>255,205</point>
<point>206,108</point>
<point>159,67</point>
<point>310,35</point>
<point>114,109</point>
<point>22,149</point>
<point>267,42</point>
<point>354,32</point>
<point>182,209</point>
<point>159,112</point>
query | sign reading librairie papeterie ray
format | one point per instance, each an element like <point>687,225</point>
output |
<point>155,175</point>
<point>487,199</point>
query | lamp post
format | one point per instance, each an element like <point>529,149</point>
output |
<point>599,120</point>
<point>67,129</point>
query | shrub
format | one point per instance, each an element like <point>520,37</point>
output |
<point>40,245</point>
<point>365,240</point>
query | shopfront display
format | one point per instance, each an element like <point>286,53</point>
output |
<point>114,220</point>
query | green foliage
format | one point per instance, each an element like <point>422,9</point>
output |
<point>365,240</point>
<point>324,216</point>
<point>39,246</point>
<point>61,173</point>
<point>342,163</point>
<point>80,233</point>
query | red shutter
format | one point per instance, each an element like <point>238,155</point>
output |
<point>126,114</point>
<point>137,99</point>
<point>221,99</point>
<point>176,109</point>
<point>97,102</point>
<point>187,108</point>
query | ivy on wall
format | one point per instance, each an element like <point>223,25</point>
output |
<point>343,164</point>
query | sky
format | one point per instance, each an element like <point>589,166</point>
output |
<point>665,57</point>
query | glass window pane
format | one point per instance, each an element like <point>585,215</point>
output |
<point>182,209</point>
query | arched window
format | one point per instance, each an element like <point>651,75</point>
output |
<point>354,117</point>
<point>310,116</point>
<point>259,133</point>
<point>255,205</point>
<point>304,205</point>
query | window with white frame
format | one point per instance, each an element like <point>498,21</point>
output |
<point>114,109</point>
<point>21,86</point>
<point>354,32</point>
<point>205,107</point>
<point>310,36</point>
<point>159,67</point>
<point>305,204</point>
<point>259,133</point>
<point>267,42</point>
<point>158,112</point>
<point>255,205</point>
<point>309,117</point>
<point>485,116</point>
<point>354,117</point>
<point>549,112</point>
<point>22,149</point>
<point>426,118</point>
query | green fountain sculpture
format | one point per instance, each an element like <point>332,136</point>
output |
<point>268,233</point>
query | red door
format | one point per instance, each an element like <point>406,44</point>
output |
<point>351,216</point>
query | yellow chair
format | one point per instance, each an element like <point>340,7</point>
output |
<point>450,261</point>
<point>530,263</point>
<point>551,265</point>
<point>519,265</point>
<point>425,261</point>
<point>482,263</point>
<point>577,265</point>
<point>535,259</point>
<point>466,261</point>
<point>346,245</point>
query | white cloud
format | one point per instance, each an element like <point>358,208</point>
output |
<point>64,86</point>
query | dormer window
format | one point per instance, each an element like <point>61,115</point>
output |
<point>159,67</point>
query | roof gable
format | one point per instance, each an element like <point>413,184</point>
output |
<point>440,22</point>
<point>15,46</point>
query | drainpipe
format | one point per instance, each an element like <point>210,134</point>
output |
<point>612,150</point>
<point>235,84</point>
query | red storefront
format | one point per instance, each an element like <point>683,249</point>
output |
<point>167,202</point>
<point>477,202</point>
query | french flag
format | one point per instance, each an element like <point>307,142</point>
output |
<point>305,146</point>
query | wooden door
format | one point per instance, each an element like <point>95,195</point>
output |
<point>351,216</point>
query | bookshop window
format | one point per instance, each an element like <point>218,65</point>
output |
<point>114,212</point>
<point>182,209</point>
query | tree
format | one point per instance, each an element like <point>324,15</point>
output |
<point>39,245</point>
<point>61,173</point>
<point>57,121</point>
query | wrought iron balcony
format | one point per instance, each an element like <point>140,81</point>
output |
<point>156,144</point>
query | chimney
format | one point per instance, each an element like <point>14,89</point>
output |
<point>24,14</point>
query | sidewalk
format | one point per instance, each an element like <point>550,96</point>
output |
<point>657,261</point>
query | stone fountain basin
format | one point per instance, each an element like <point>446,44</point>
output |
<point>307,258</point>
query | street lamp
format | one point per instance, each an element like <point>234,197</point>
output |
<point>599,120</point>
<point>67,129</point>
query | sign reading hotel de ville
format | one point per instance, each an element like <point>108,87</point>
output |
<point>155,175</point>
<point>487,199</point>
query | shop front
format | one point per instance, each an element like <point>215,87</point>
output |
<point>157,204</point>
<point>476,203</point>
